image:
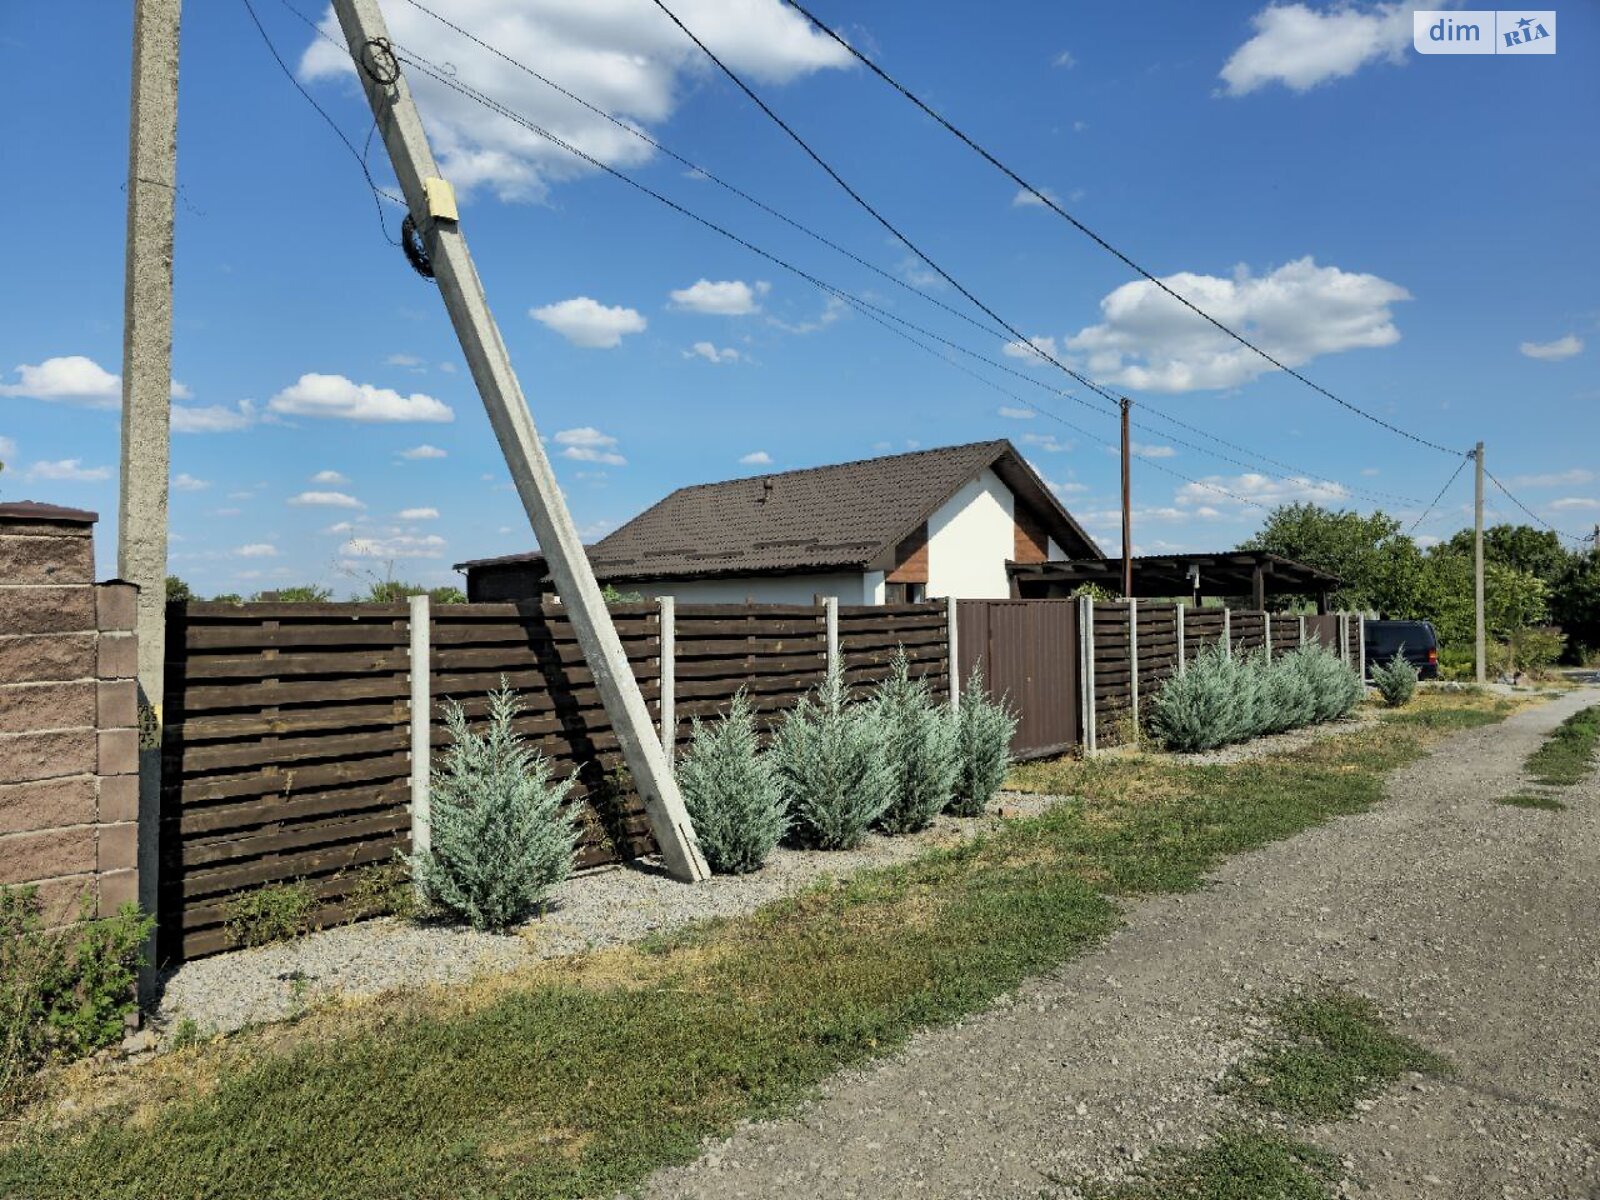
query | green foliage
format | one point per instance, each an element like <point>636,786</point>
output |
<point>279,912</point>
<point>64,993</point>
<point>1532,651</point>
<point>835,774</point>
<point>501,834</point>
<point>984,728</point>
<point>228,598</point>
<point>306,593</point>
<point>1532,800</point>
<point>179,592</point>
<point>611,595</point>
<point>1395,680</point>
<point>382,890</point>
<point>1328,1051</point>
<point>397,591</point>
<point>1235,1164</point>
<point>920,744</point>
<point>1223,698</point>
<point>1367,552</point>
<point>1575,600</point>
<point>1567,755</point>
<point>1539,552</point>
<point>731,788</point>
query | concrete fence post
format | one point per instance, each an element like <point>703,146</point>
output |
<point>1227,632</point>
<point>1266,634</point>
<point>1091,716</point>
<point>1182,666</point>
<point>1342,636</point>
<point>1133,662</point>
<point>952,651</point>
<point>421,725</point>
<point>669,676</point>
<point>1302,629</point>
<point>1361,646</point>
<point>830,621</point>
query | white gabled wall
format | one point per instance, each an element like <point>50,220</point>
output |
<point>970,538</point>
<point>849,587</point>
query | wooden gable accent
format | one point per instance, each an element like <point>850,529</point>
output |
<point>911,558</point>
<point>1032,542</point>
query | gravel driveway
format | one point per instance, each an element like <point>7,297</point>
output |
<point>1476,925</point>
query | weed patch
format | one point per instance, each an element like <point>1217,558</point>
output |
<point>1567,756</point>
<point>1329,1051</point>
<point>279,912</point>
<point>1234,1165</point>
<point>1532,800</point>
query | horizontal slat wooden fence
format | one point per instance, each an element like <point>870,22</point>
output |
<point>286,744</point>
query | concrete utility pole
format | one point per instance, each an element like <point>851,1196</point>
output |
<point>1127,505</point>
<point>147,382</point>
<point>1477,560</point>
<point>432,206</point>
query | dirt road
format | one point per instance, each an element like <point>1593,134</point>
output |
<point>1477,926</point>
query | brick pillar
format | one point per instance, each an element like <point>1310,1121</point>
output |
<point>68,721</point>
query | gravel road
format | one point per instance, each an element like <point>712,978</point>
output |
<point>1477,926</point>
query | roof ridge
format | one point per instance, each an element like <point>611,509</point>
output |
<point>854,462</point>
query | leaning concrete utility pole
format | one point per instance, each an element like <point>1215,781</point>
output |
<point>1477,561</point>
<point>147,384</point>
<point>433,213</point>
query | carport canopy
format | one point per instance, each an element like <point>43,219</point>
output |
<point>1254,573</point>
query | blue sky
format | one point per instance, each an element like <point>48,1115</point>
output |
<point>1416,233</point>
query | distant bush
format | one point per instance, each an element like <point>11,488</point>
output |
<point>731,788</point>
<point>64,993</point>
<point>919,742</point>
<point>1535,650</point>
<point>834,772</point>
<point>502,835</point>
<point>1395,680</point>
<point>1224,698</point>
<point>984,728</point>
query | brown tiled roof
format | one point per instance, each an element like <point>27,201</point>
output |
<point>33,510</point>
<point>849,515</point>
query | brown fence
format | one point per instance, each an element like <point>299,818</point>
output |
<point>1028,650</point>
<point>286,744</point>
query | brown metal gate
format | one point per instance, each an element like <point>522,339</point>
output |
<point>1029,652</point>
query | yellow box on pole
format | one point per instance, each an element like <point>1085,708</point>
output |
<point>441,199</point>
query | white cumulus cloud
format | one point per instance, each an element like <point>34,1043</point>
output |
<point>1021,350</point>
<point>1562,347</point>
<point>588,444</point>
<point>1016,414</point>
<point>756,458</point>
<point>423,451</point>
<point>325,500</point>
<point>588,323</point>
<point>1151,342</point>
<point>1026,199</point>
<point>329,477</point>
<point>626,59</point>
<point>257,550</point>
<point>1300,46</point>
<point>67,470</point>
<point>724,298</point>
<point>711,353</point>
<point>1263,489</point>
<point>402,545</point>
<point>75,379</point>
<point>184,482</point>
<point>419,514</point>
<point>339,398</point>
<point>213,418</point>
<point>1574,503</point>
<point>1577,475</point>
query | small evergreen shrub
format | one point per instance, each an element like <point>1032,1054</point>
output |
<point>832,767</point>
<point>920,743</point>
<point>1290,701</point>
<point>732,791</point>
<point>984,728</point>
<point>502,834</point>
<point>1205,707</point>
<point>279,912</point>
<point>1224,698</point>
<point>1335,686</point>
<point>64,993</point>
<point>1395,680</point>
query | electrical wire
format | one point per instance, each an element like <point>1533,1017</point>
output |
<point>1044,199</point>
<point>1427,512</point>
<point>1507,493</point>
<point>378,194</point>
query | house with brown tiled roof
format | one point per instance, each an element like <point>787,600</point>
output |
<point>943,522</point>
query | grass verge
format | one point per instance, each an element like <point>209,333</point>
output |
<point>1567,756</point>
<point>1237,1164</point>
<point>580,1077</point>
<point>1328,1051</point>
<point>1531,800</point>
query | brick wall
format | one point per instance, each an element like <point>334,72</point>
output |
<point>69,742</point>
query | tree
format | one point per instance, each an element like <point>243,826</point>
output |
<point>1575,600</point>
<point>305,593</point>
<point>1359,549</point>
<point>395,591</point>
<point>1522,547</point>
<point>179,592</point>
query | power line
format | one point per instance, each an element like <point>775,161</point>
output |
<point>1427,512</point>
<point>378,194</point>
<point>885,274</point>
<point>1507,493</point>
<point>1051,204</point>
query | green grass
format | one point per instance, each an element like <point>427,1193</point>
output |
<point>1327,1052</point>
<point>1237,1164</point>
<point>581,1077</point>
<point>1567,756</point>
<point>1530,800</point>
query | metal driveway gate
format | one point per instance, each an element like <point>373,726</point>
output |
<point>1029,653</point>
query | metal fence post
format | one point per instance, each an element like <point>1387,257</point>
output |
<point>1133,662</point>
<point>830,620</point>
<point>952,648</point>
<point>1182,666</point>
<point>1227,632</point>
<point>421,720</point>
<point>669,676</point>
